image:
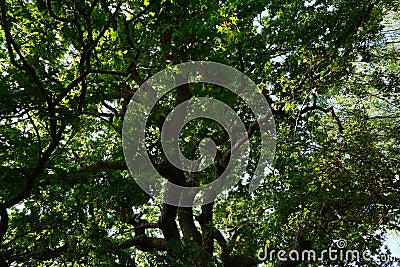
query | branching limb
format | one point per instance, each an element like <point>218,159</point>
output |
<point>325,110</point>
<point>300,245</point>
<point>54,16</point>
<point>85,57</point>
<point>223,245</point>
<point>187,225</point>
<point>251,130</point>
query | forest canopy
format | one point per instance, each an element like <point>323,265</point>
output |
<point>329,71</point>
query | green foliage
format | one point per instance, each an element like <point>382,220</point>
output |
<point>329,69</point>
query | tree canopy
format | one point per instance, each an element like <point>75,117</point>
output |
<point>329,69</point>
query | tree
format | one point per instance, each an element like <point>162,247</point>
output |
<point>69,69</point>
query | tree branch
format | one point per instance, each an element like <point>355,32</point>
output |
<point>54,16</point>
<point>251,129</point>
<point>300,245</point>
<point>86,57</point>
<point>187,225</point>
<point>325,110</point>
<point>359,23</point>
<point>3,223</point>
<point>31,72</point>
<point>223,245</point>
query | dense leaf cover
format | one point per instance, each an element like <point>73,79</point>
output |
<point>329,69</point>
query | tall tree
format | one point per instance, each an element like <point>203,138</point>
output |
<point>329,70</point>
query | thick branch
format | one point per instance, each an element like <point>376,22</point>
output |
<point>187,225</point>
<point>29,184</point>
<point>205,220</point>
<point>38,171</point>
<point>3,223</point>
<point>167,222</point>
<point>223,245</point>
